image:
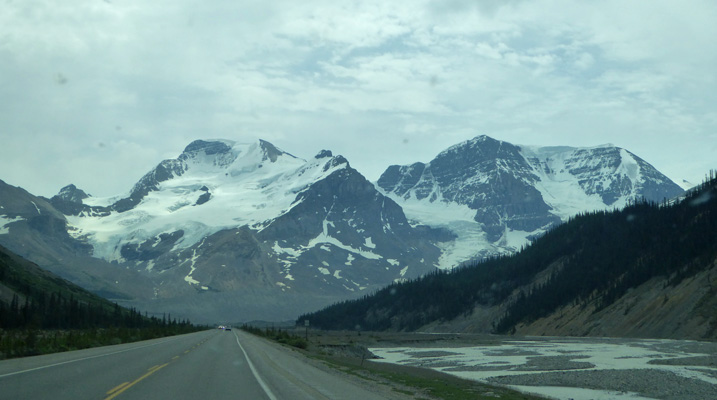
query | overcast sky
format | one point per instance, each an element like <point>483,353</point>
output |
<point>97,93</point>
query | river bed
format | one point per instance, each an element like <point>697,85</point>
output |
<point>578,368</point>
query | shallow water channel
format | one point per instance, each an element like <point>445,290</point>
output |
<point>578,368</point>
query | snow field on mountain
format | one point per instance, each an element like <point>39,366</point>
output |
<point>562,191</point>
<point>470,237</point>
<point>558,187</point>
<point>248,191</point>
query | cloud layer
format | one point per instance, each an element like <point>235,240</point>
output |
<point>97,93</point>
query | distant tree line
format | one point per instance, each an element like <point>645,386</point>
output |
<point>48,314</point>
<point>594,257</point>
<point>58,312</point>
<point>49,324</point>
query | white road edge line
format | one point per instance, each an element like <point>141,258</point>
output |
<point>85,358</point>
<point>254,371</point>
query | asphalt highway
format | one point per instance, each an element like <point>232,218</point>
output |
<point>213,364</point>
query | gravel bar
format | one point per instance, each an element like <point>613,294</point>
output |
<point>651,383</point>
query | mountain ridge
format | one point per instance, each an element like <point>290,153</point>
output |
<point>229,223</point>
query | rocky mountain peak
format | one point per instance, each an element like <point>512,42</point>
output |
<point>271,152</point>
<point>72,194</point>
<point>208,147</point>
<point>214,152</point>
<point>323,154</point>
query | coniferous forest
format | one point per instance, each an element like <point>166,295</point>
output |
<point>594,257</point>
<point>42,313</point>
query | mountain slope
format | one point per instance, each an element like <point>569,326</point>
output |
<point>32,228</point>
<point>27,282</point>
<point>642,271</point>
<point>240,231</point>
<point>501,195</point>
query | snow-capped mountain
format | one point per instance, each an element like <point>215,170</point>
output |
<point>240,231</point>
<point>495,195</point>
<point>228,219</point>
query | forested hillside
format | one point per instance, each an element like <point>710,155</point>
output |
<point>41,312</point>
<point>593,259</point>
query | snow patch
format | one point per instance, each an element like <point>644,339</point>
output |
<point>5,221</point>
<point>285,250</point>
<point>325,238</point>
<point>192,268</point>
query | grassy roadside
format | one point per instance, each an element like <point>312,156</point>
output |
<point>347,352</point>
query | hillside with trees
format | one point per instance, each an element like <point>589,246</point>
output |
<point>43,313</point>
<point>583,270</point>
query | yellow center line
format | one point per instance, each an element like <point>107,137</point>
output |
<point>117,391</point>
<point>156,367</point>
<point>124,386</point>
<point>120,386</point>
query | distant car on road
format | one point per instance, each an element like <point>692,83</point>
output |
<point>227,328</point>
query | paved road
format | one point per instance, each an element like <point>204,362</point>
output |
<point>211,364</point>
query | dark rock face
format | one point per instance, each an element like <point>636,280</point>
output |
<point>401,179</point>
<point>72,194</point>
<point>487,175</point>
<point>151,249</point>
<point>69,200</point>
<point>323,154</point>
<point>209,148</point>
<point>271,153</point>
<point>340,212</point>
<point>204,197</point>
